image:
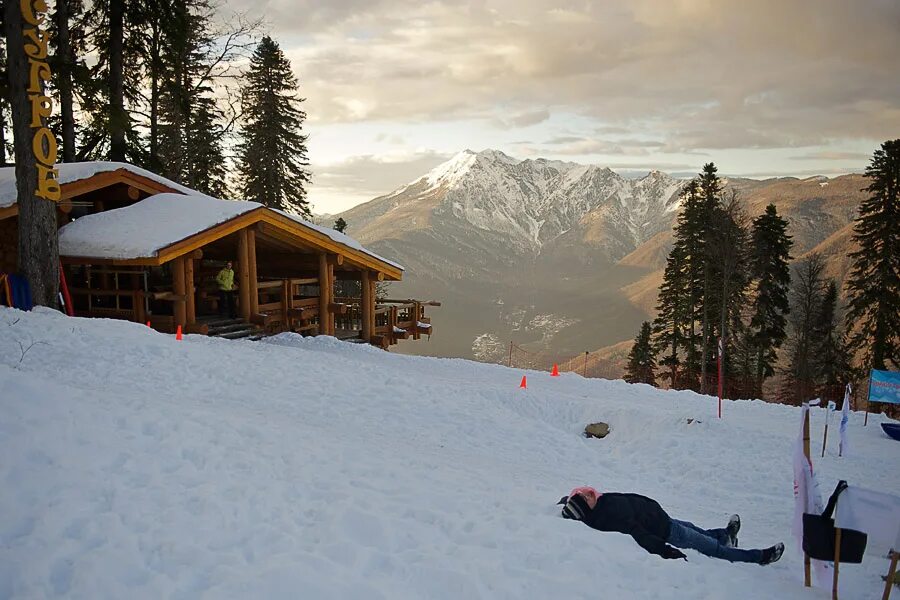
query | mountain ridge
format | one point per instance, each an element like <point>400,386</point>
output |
<point>530,202</point>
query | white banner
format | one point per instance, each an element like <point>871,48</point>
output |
<point>845,422</point>
<point>874,513</point>
<point>807,497</point>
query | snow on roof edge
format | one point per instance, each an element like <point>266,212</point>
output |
<point>128,233</point>
<point>72,172</point>
<point>340,238</point>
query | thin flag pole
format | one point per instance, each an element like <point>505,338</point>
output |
<point>807,564</point>
<point>721,369</point>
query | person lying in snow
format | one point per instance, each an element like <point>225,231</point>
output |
<point>655,531</point>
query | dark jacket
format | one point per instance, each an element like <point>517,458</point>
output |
<point>638,516</point>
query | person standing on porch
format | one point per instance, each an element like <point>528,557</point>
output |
<point>225,280</point>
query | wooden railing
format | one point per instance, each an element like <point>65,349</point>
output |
<point>135,309</point>
<point>401,319</point>
<point>282,307</point>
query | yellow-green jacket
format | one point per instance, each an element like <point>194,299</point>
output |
<point>225,279</point>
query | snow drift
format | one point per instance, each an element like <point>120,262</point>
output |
<point>135,466</point>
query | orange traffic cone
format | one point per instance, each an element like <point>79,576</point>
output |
<point>178,333</point>
<point>524,384</point>
<point>555,371</point>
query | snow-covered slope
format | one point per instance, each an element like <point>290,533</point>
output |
<point>135,466</point>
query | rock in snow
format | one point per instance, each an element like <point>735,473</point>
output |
<point>135,466</point>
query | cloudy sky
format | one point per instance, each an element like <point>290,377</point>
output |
<point>761,87</point>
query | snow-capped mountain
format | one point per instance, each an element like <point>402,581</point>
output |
<point>528,244</point>
<point>528,204</point>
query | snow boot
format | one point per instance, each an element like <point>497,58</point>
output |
<point>734,525</point>
<point>770,555</point>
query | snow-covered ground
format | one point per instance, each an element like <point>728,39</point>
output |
<point>136,466</point>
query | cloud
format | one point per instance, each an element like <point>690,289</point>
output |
<point>523,119</point>
<point>702,75</point>
<point>832,155</point>
<point>343,184</point>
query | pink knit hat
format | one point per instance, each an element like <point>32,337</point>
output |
<point>583,490</point>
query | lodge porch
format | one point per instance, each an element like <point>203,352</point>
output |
<point>284,282</point>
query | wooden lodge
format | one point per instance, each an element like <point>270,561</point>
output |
<point>137,246</point>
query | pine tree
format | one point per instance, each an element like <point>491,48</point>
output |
<point>63,63</point>
<point>831,354</point>
<point>690,238</point>
<point>273,151</point>
<point>807,294</point>
<point>204,166</point>
<point>770,254</point>
<point>110,93</point>
<point>38,244</point>
<point>711,194</point>
<point>728,274</point>
<point>873,288</point>
<point>188,130</point>
<point>668,327</point>
<point>641,362</point>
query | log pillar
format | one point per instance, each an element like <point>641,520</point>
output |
<point>190,306</point>
<point>286,304</point>
<point>324,295</point>
<point>178,288</point>
<point>244,273</point>
<point>251,256</point>
<point>368,308</point>
<point>331,317</point>
<point>374,297</point>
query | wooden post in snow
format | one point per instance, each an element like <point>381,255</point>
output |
<point>837,563</point>
<point>889,583</point>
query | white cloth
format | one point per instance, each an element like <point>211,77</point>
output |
<point>807,497</point>
<point>845,422</point>
<point>874,513</point>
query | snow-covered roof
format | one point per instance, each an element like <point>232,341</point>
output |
<point>71,172</point>
<point>339,237</point>
<point>144,228</point>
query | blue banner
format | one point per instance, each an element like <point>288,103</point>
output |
<point>884,386</point>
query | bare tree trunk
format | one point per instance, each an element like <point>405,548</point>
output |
<point>64,72</point>
<point>118,118</point>
<point>38,242</point>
